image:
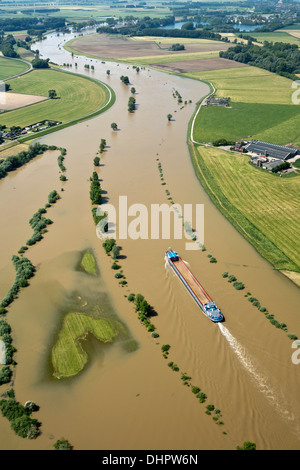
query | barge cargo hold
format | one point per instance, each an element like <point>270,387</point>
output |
<point>206,304</point>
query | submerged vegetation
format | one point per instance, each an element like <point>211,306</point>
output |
<point>20,418</point>
<point>68,355</point>
<point>88,263</point>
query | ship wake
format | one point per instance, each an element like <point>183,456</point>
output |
<point>259,379</point>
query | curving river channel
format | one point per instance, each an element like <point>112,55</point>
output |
<point>135,401</point>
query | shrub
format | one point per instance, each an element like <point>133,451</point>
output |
<point>231,278</point>
<point>53,197</point>
<point>115,252</point>
<point>62,444</point>
<point>115,266</point>
<point>238,285</point>
<point>210,407</point>
<point>5,374</point>
<point>131,297</point>
<point>25,427</point>
<point>225,274</point>
<point>108,244</point>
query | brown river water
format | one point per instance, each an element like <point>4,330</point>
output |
<point>134,400</point>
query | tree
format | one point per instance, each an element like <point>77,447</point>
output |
<point>107,72</point>
<point>132,89</point>
<point>115,251</point>
<point>131,104</point>
<point>40,63</point>
<point>247,446</point>
<point>169,117</point>
<point>62,444</point>
<point>95,192</point>
<point>124,79</point>
<point>96,161</point>
<point>52,94</point>
<point>114,126</point>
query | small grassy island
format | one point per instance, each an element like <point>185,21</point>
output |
<point>68,355</point>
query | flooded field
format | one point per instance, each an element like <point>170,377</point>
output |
<point>135,401</point>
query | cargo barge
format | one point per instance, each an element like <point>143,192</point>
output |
<point>201,297</point>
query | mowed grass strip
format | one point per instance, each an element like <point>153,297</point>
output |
<point>68,355</point>
<point>88,263</point>
<point>11,67</point>
<point>77,97</point>
<point>263,207</point>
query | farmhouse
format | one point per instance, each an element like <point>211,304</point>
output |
<point>271,150</point>
<point>215,101</point>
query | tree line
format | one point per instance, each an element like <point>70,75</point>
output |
<point>12,163</point>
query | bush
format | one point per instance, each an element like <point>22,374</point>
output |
<point>202,397</point>
<point>108,244</point>
<point>5,375</point>
<point>53,197</point>
<point>115,266</point>
<point>238,285</point>
<point>25,427</point>
<point>131,297</point>
<point>62,444</point>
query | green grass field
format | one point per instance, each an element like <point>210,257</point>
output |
<point>78,97</point>
<point>276,36</point>
<point>68,355</point>
<point>264,208</point>
<point>88,263</point>
<point>11,67</point>
<point>248,85</point>
<point>164,59</point>
<point>261,107</point>
<point>278,123</point>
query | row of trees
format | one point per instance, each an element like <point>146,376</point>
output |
<point>7,46</point>
<point>24,271</point>
<point>12,163</point>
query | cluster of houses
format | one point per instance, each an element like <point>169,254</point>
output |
<point>16,131</point>
<point>266,155</point>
